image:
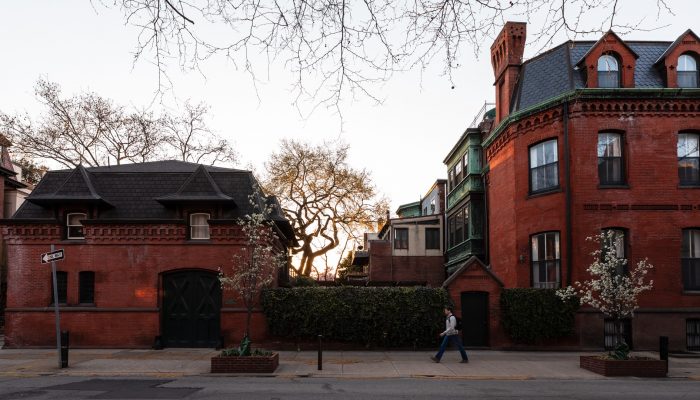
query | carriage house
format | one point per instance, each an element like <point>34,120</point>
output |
<point>143,244</point>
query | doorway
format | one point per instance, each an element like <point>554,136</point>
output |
<point>475,318</point>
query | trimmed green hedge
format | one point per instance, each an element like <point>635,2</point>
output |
<point>533,315</point>
<point>382,316</point>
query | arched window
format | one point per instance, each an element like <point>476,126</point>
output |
<point>687,71</point>
<point>608,72</point>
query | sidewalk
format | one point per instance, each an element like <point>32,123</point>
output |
<point>484,364</point>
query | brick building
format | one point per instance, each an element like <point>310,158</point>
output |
<point>13,191</point>
<point>586,137</point>
<point>143,244</point>
<point>407,250</point>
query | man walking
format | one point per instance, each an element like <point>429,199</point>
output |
<point>451,334</point>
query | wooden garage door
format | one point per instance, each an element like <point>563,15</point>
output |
<point>191,309</point>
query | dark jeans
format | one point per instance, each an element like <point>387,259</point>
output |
<point>456,341</point>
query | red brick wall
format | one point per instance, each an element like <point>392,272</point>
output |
<point>506,58</point>
<point>128,262</point>
<point>651,163</point>
<point>475,279</point>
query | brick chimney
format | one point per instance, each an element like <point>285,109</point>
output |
<point>506,59</point>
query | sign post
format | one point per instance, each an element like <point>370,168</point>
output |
<point>54,256</point>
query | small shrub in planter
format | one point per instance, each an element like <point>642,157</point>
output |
<point>243,360</point>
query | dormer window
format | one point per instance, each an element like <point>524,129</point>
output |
<point>687,71</point>
<point>199,226</point>
<point>74,228</point>
<point>608,72</point>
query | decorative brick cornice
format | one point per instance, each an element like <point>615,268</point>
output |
<point>132,233</point>
<point>663,103</point>
<point>34,233</point>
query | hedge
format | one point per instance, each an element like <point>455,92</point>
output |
<point>373,316</point>
<point>534,315</point>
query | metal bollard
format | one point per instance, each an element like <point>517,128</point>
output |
<point>320,353</point>
<point>65,337</point>
<point>663,350</point>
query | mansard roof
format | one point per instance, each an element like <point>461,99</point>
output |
<point>132,191</point>
<point>554,72</point>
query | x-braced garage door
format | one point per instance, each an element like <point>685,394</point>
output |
<point>191,309</point>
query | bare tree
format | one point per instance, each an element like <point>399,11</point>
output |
<point>91,130</point>
<point>193,140</point>
<point>324,198</point>
<point>340,47</point>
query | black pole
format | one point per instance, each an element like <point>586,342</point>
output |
<point>65,344</point>
<point>320,353</point>
<point>663,350</point>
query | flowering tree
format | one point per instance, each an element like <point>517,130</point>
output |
<point>255,266</point>
<point>612,289</point>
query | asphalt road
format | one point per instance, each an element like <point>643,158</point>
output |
<point>55,387</point>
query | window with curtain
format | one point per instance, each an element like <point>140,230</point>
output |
<point>610,159</point>
<point>690,259</point>
<point>544,166</point>
<point>401,238</point>
<point>74,228</point>
<point>545,260</point>
<point>687,71</point>
<point>199,226</point>
<point>618,242</point>
<point>689,159</point>
<point>608,72</point>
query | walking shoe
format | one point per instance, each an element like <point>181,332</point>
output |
<point>435,359</point>
<point>465,361</point>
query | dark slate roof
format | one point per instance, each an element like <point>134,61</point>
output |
<point>77,186</point>
<point>159,166</point>
<point>199,186</point>
<point>131,192</point>
<point>554,72</point>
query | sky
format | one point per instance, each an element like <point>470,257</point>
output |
<point>402,142</point>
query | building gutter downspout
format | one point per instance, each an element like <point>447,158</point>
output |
<point>486,219</point>
<point>567,190</point>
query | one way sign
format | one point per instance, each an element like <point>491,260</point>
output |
<point>52,256</point>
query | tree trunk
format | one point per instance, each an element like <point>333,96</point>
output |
<point>247,321</point>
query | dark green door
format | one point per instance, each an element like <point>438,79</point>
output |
<point>191,309</point>
<point>475,318</point>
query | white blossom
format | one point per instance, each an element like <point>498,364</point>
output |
<point>612,289</point>
<point>254,267</point>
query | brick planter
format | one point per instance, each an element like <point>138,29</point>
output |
<point>249,364</point>
<point>636,367</point>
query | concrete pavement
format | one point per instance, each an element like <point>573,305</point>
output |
<point>484,364</point>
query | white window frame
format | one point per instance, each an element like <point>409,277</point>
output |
<point>192,226</point>
<point>69,225</point>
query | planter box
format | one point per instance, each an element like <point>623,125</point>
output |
<point>249,364</point>
<point>641,368</point>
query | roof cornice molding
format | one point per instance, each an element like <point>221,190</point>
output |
<point>597,93</point>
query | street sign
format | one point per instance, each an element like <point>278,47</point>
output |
<point>52,256</point>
